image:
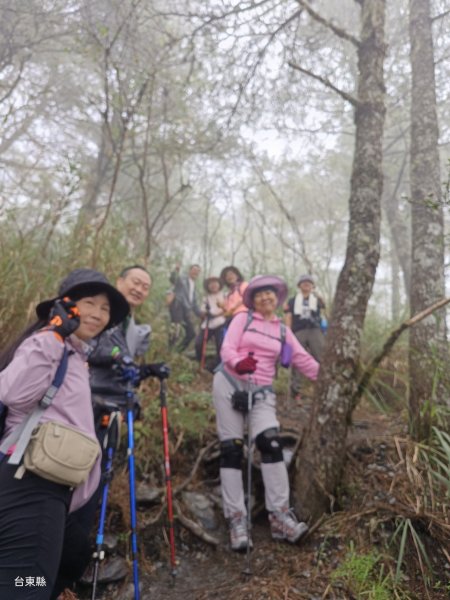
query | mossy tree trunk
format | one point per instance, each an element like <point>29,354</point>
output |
<point>427,340</point>
<point>322,456</point>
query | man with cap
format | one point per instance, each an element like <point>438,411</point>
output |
<point>255,342</point>
<point>303,314</point>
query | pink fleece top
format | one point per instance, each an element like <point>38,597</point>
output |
<point>233,300</point>
<point>26,379</point>
<point>265,343</point>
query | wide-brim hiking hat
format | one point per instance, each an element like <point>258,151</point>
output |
<point>88,282</point>
<point>306,277</point>
<point>209,280</point>
<point>265,281</point>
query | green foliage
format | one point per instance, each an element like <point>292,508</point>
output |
<point>436,458</point>
<point>364,575</point>
<point>192,414</point>
<point>428,468</point>
<point>406,531</point>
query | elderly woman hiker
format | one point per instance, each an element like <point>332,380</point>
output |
<point>36,495</point>
<point>254,343</point>
<point>213,323</point>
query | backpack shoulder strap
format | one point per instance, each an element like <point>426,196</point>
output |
<point>22,433</point>
<point>249,320</point>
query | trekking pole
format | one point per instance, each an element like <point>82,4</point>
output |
<point>130,376</point>
<point>288,392</point>
<point>111,443</point>
<point>204,343</point>
<point>248,570</point>
<point>165,428</point>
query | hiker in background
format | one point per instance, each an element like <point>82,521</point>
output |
<point>213,323</point>
<point>303,314</point>
<point>33,509</point>
<point>254,343</point>
<point>233,304</point>
<point>184,307</point>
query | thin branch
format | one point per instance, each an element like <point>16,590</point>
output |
<point>334,28</point>
<point>353,101</point>
<point>194,527</point>
<point>370,370</point>
<point>440,16</point>
<point>289,217</point>
<point>200,456</point>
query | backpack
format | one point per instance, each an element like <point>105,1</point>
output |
<point>286,350</point>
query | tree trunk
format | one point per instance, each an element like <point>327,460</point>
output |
<point>320,463</point>
<point>426,347</point>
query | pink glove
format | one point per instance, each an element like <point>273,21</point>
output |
<point>246,365</point>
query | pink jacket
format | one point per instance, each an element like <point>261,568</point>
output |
<point>233,300</point>
<point>265,343</point>
<point>26,379</point>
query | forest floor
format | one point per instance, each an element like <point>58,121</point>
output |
<point>371,498</point>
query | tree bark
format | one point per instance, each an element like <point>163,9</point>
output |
<point>320,463</point>
<point>426,346</point>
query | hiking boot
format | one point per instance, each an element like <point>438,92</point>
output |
<point>285,526</point>
<point>239,538</point>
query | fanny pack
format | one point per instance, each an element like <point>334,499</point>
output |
<point>239,401</point>
<point>59,453</point>
<point>239,398</point>
<point>52,450</point>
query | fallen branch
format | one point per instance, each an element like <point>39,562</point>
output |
<point>194,527</point>
<point>197,463</point>
<point>373,365</point>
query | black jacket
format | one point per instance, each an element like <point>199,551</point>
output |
<point>132,340</point>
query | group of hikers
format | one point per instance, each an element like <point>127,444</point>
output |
<point>53,408</point>
<point>223,299</point>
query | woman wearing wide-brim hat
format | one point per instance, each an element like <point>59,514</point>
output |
<point>254,344</point>
<point>34,509</point>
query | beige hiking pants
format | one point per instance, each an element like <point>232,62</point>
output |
<point>231,425</point>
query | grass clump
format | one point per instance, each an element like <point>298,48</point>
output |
<point>365,576</point>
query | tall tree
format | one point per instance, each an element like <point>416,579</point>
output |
<point>426,347</point>
<point>320,463</point>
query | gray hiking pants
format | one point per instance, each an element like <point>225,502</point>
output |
<point>313,341</point>
<point>230,425</point>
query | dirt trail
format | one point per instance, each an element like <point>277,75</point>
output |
<point>280,571</point>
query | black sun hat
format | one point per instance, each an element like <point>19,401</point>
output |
<point>88,282</point>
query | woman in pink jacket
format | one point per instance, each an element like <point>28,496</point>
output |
<point>250,353</point>
<point>33,510</point>
<point>234,298</point>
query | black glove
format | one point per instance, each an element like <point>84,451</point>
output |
<point>159,370</point>
<point>64,317</point>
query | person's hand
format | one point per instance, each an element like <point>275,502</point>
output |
<point>246,366</point>
<point>160,370</point>
<point>64,317</point>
